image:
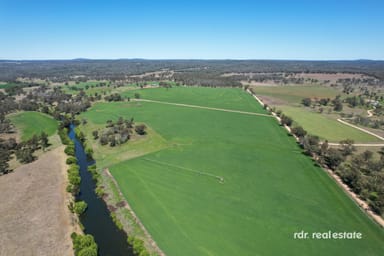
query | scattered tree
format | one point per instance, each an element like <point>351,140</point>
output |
<point>140,129</point>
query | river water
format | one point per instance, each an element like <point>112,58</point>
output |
<point>96,220</point>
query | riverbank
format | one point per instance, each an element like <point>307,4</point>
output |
<point>35,219</point>
<point>97,220</point>
<point>134,227</point>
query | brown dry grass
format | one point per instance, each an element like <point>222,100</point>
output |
<point>35,219</point>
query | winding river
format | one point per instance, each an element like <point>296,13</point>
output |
<point>96,220</point>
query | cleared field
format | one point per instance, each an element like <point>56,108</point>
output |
<point>210,97</point>
<point>30,123</point>
<point>326,127</point>
<point>294,94</point>
<point>269,189</point>
<point>35,219</point>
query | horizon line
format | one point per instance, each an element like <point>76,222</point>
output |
<point>185,59</point>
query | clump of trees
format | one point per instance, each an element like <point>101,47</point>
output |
<point>74,179</point>
<point>84,245</point>
<point>286,120</point>
<point>365,176</point>
<point>119,132</point>
<point>7,148</point>
<point>140,129</point>
<point>114,97</point>
<point>337,104</point>
<point>320,102</point>
<point>24,150</point>
<point>298,131</point>
<point>5,124</point>
<point>78,207</point>
<point>376,123</point>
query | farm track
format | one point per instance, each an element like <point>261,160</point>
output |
<point>203,107</point>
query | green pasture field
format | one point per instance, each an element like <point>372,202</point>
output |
<point>325,127</point>
<point>227,98</point>
<point>293,94</point>
<point>222,183</point>
<point>30,123</point>
<point>6,85</point>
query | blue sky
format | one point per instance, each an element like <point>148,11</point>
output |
<point>298,29</point>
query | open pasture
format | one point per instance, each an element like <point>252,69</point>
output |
<point>30,123</point>
<point>269,190</point>
<point>230,98</point>
<point>326,127</point>
<point>293,94</point>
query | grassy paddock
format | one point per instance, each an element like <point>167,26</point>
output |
<point>229,98</point>
<point>288,99</point>
<point>270,189</point>
<point>6,85</point>
<point>326,127</point>
<point>293,94</point>
<point>30,123</point>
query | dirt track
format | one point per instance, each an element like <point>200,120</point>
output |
<point>34,216</point>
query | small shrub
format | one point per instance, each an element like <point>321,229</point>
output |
<point>70,149</point>
<point>71,160</point>
<point>140,129</point>
<point>80,207</point>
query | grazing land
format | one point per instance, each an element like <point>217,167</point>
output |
<point>326,127</point>
<point>35,219</point>
<point>224,183</point>
<point>234,99</point>
<point>288,99</point>
<point>33,123</point>
<point>292,95</point>
<point>6,85</point>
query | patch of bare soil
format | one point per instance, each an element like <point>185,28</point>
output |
<point>35,219</point>
<point>271,101</point>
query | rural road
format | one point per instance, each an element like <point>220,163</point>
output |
<point>202,107</point>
